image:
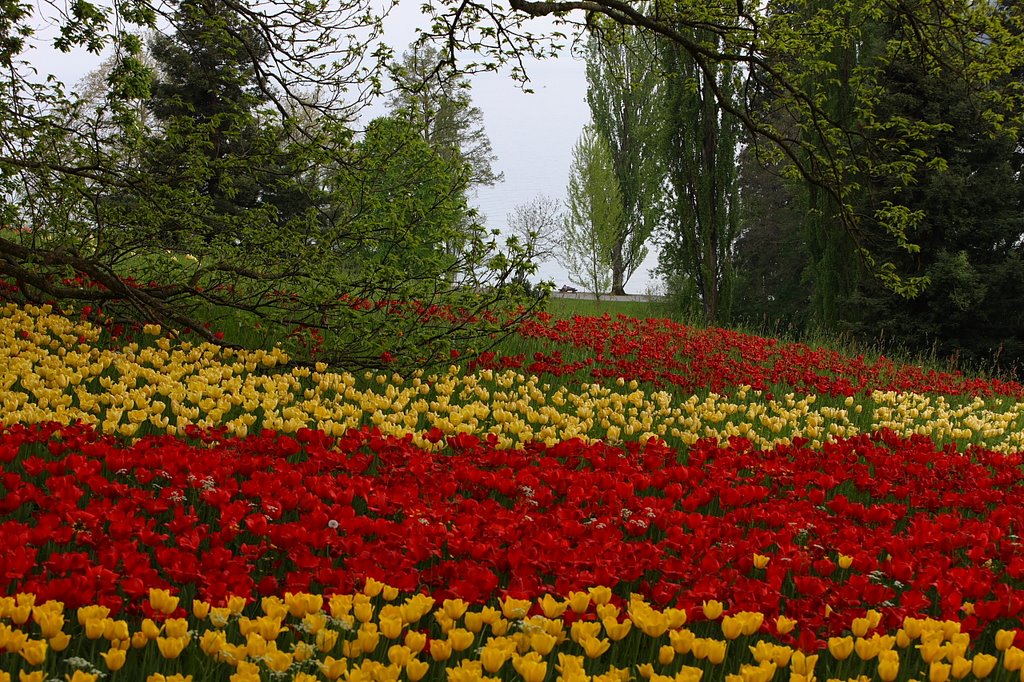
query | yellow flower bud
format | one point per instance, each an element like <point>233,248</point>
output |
<point>579,602</point>
<point>493,658</point>
<point>440,650</point>
<point>666,654</point>
<point>982,665</point>
<point>732,627</point>
<point>594,647</point>
<point>960,667</point>
<point>1004,639</point>
<point>784,625</point>
<point>888,669</point>
<point>840,647</point>
<point>60,641</point>
<point>859,627</point>
<point>460,639</point>
<point>712,609</point>
<point>114,659</point>
<point>938,671</point>
<point>34,651</point>
<point>416,669</point>
<point>760,560</point>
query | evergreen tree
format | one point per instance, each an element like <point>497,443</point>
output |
<point>215,132</point>
<point>438,103</point>
<point>970,231</point>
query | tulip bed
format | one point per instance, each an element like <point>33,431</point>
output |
<point>172,511</point>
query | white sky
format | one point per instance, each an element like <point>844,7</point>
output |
<point>532,133</point>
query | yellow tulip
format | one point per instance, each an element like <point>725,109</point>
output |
<point>1004,639</point>
<point>666,654</point>
<point>82,676</point>
<point>593,647</point>
<point>162,601</point>
<point>460,639</point>
<point>60,641</point>
<point>200,609</point>
<point>982,665</point>
<point>802,664</point>
<point>552,607</point>
<point>579,602</point>
<point>416,669</point>
<point>454,608</point>
<point>34,651</point>
<point>114,659</point>
<point>278,661</point>
<point>938,671</point>
<point>760,560</point>
<point>416,641</point>
<point>542,642</point>
<point>712,609</point>
<point>515,608</point>
<point>440,650</point>
<point>866,648</point>
<point>888,669</point>
<point>391,627</point>
<point>1013,659</point>
<point>399,654</point>
<point>616,630</point>
<point>840,647</point>
<point>176,627</point>
<point>530,670</point>
<point>859,627</point>
<point>732,627</point>
<point>752,621</point>
<point>50,624</point>
<point>600,594</point>
<point>333,668</point>
<point>960,667</point>
<point>716,651</point>
<point>171,647</point>
<point>493,658</point>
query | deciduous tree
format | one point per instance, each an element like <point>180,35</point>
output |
<point>622,82</point>
<point>594,214</point>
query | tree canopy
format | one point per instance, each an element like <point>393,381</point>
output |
<point>262,194</point>
<point>230,181</point>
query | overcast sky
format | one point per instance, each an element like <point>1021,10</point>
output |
<point>532,133</point>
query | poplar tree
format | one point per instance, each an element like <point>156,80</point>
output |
<point>622,82</point>
<point>699,150</point>
<point>594,214</point>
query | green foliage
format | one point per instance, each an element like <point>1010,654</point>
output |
<point>224,197</point>
<point>595,214</point>
<point>699,147</point>
<point>437,101</point>
<point>622,79</point>
<point>966,221</point>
